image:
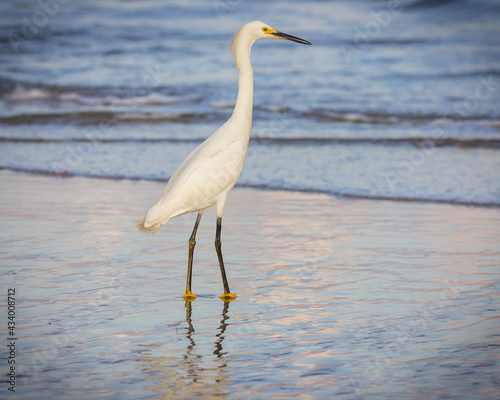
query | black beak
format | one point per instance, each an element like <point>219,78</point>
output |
<point>286,36</point>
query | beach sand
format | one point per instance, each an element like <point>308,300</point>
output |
<point>336,297</point>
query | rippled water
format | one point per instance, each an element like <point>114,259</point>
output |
<point>336,298</point>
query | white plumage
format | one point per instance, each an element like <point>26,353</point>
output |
<point>207,175</point>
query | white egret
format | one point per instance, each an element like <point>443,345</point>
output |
<point>207,175</point>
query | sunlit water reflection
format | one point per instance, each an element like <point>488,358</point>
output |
<point>344,298</point>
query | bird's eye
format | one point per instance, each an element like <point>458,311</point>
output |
<point>265,29</point>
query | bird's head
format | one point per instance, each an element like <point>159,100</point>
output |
<point>248,34</point>
<point>266,32</point>
<point>256,30</point>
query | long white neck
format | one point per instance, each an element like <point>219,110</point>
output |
<point>244,103</point>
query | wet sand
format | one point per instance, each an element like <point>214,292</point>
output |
<point>336,297</point>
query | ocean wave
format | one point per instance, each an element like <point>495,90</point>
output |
<point>452,75</point>
<point>86,117</point>
<point>416,4</point>
<point>108,117</point>
<point>416,141</point>
<point>95,117</point>
<point>264,186</point>
<point>22,92</point>
<point>380,118</point>
<point>130,105</point>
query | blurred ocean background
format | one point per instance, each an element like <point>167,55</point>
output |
<point>395,100</point>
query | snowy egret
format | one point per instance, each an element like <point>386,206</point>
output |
<point>207,175</point>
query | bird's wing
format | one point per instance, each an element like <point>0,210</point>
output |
<point>181,169</point>
<point>198,181</point>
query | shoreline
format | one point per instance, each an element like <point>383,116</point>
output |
<point>264,187</point>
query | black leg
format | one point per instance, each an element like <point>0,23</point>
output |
<point>192,242</point>
<point>227,296</point>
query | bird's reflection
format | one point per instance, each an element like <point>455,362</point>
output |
<point>222,328</point>
<point>220,335</point>
<point>194,371</point>
<point>189,356</point>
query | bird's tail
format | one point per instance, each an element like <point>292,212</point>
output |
<point>150,229</point>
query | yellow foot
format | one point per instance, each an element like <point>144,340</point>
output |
<point>189,296</point>
<point>228,297</point>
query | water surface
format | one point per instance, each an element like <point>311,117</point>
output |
<point>344,298</point>
<point>370,270</point>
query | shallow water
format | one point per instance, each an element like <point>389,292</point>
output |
<point>336,298</point>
